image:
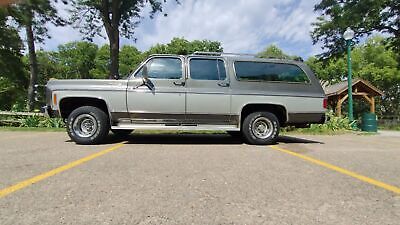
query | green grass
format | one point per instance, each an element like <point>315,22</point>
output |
<point>393,127</point>
<point>32,129</point>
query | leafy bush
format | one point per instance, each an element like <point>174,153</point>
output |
<point>40,121</point>
<point>52,123</point>
<point>30,121</point>
<point>334,124</point>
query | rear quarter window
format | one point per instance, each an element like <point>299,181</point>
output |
<point>268,71</point>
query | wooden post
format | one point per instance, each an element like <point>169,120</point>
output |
<point>339,105</point>
<point>372,109</point>
<point>371,101</point>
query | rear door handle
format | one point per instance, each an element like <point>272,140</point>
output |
<point>223,84</point>
<point>181,83</point>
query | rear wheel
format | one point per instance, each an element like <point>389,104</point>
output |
<point>122,133</point>
<point>88,125</point>
<point>261,128</point>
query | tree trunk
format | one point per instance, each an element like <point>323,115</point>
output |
<point>114,54</point>
<point>112,29</point>
<point>32,64</point>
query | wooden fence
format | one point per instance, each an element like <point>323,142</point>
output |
<point>8,118</point>
<point>391,120</point>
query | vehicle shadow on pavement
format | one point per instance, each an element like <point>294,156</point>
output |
<point>187,139</point>
<point>294,140</point>
<point>205,139</point>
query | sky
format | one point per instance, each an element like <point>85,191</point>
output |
<point>242,26</point>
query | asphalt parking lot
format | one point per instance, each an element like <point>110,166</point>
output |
<point>199,179</point>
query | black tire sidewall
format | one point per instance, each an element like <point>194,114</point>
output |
<point>248,133</point>
<point>101,120</point>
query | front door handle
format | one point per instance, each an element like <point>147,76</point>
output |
<point>223,84</point>
<point>181,83</point>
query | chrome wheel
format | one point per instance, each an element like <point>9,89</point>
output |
<point>85,125</point>
<point>262,127</point>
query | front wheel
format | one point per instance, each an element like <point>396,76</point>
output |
<point>88,125</point>
<point>261,128</point>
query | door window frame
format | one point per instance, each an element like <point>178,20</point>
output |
<point>308,82</point>
<point>182,59</point>
<point>207,58</point>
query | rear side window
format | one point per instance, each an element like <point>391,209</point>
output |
<point>266,71</point>
<point>163,68</point>
<point>207,69</point>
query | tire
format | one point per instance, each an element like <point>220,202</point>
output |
<point>88,125</point>
<point>122,133</point>
<point>261,128</point>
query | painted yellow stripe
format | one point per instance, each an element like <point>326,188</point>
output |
<point>30,181</point>
<point>341,170</point>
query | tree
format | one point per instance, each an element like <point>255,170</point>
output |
<point>32,15</point>
<point>102,63</point>
<point>363,16</point>
<point>117,17</point>
<point>77,59</point>
<point>273,51</point>
<point>374,61</point>
<point>12,76</point>
<point>182,46</point>
<point>131,57</point>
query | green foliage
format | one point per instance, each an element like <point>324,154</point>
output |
<point>182,46</point>
<point>364,16</point>
<point>130,58</point>
<point>40,121</point>
<point>102,63</point>
<point>52,123</point>
<point>12,76</point>
<point>333,125</point>
<point>31,121</point>
<point>77,59</point>
<point>116,17</point>
<point>373,61</point>
<point>273,51</point>
<point>92,16</point>
<point>36,13</point>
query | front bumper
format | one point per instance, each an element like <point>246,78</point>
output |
<point>47,111</point>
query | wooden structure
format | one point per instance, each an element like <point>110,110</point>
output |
<point>337,94</point>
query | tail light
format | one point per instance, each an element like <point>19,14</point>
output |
<point>325,103</point>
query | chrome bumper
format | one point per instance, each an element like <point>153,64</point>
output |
<point>48,112</point>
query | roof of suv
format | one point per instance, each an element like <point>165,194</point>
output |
<point>235,56</point>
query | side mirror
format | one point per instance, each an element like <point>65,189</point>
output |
<point>145,76</point>
<point>145,73</point>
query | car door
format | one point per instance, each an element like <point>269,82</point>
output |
<point>163,101</point>
<point>208,92</point>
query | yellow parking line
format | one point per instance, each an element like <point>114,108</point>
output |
<point>30,181</point>
<point>341,170</point>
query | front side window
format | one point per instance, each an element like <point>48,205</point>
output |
<point>163,68</point>
<point>266,71</point>
<point>207,69</point>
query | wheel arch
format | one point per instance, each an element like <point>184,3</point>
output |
<point>280,111</point>
<point>70,103</point>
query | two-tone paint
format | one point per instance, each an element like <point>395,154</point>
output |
<point>187,103</point>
